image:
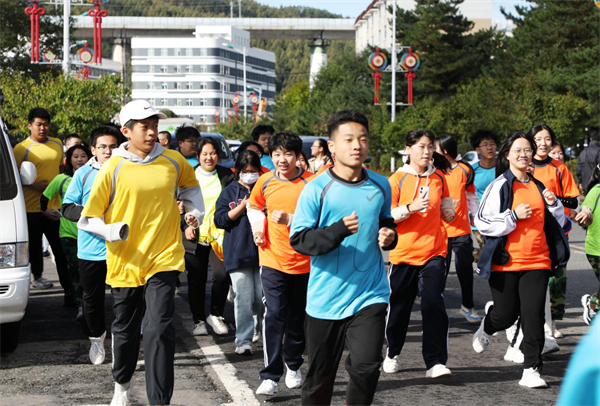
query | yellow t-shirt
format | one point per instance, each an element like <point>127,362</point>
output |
<point>47,158</point>
<point>144,199</point>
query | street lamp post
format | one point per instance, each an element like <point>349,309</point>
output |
<point>66,36</point>
<point>245,91</point>
<point>394,61</point>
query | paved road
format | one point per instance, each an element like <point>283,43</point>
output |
<point>51,365</point>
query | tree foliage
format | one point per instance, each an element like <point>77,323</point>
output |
<point>76,106</point>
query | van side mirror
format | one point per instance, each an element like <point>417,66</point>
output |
<point>28,173</point>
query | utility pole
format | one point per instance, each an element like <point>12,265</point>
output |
<point>394,62</point>
<point>230,8</point>
<point>66,64</point>
<point>240,8</point>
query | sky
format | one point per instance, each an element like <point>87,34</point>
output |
<point>352,8</point>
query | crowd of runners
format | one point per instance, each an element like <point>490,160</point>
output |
<point>296,244</point>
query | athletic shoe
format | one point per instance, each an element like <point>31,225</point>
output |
<point>438,371</point>
<point>391,365</point>
<point>418,299</point>
<point>41,283</point>
<point>481,339</point>
<point>511,332</point>
<point>514,355</point>
<point>293,379</point>
<point>532,379</point>
<point>470,314</point>
<point>550,345</point>
<point>45,253</point>
<point>97,352</point>
<point>200,329</point>
<point>267,388</point>
<point>122,393</point>
<point>555,332</point>
<point>217,324</point>
<point>588,313</point>
<point>244,350</point>
<point>256,336</point>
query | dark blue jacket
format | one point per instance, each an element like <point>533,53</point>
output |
<point>239,250</point>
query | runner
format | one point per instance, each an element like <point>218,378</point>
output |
<point>342,220</point>
<point>484,142</point>
<point>77,156</point>
<point>212,178</point>
<point>46,153</point>
<point>517,208</point>
<point>140,221</point>
<point>284,272</point>
<point>187,139</point>
<point>321,155</point>
<point>465,201</point>
<point>420,200</point>
<point>558,179</point>
<point>239,251</point>
<point>91,249</point>
<point>261,134</point>
<point>591,210</point>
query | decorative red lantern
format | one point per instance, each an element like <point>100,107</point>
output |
<point>34,16</point>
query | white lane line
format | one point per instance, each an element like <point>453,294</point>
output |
<point>577,249</point>
<point>241,394</point>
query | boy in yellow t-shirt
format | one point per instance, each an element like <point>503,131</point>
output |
<point>133,205</point>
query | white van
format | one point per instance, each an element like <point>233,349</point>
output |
<point>14,248</point>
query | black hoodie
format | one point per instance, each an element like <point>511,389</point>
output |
<point>239,250</point>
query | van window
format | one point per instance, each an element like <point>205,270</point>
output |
<point>8,182</point>
<point>224,149</point>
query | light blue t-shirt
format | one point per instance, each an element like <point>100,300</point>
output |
<point>267,162</point>
<point>90,247</point>
<point>193,161</point>
<point>352,276</point>
<point>483,177</point>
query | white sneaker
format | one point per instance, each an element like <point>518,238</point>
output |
<point>514,355</point>
<point>588,313</point>
<point>555,332</point>
<point>97,352</point>
<point>267,388</point>
<point>256,336</point>
<point>218,325</point>
<point>293,379</point>
<point>122,393</point>
<point>244,350</point>
<point>481,339</point>
<point>200,329</point>
<point>438,371</point>
<point>41,283</point>
<point>391,365</point>
<point>470,314</point>
<point>532,379</point>
<point>550,345</point>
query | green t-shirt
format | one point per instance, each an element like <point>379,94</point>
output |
<point>68,229</point>
<point>592,241</point>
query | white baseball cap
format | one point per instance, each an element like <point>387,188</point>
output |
<point>138,110</point>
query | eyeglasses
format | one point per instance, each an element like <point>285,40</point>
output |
<point>191,141</point>
<point>519,152</point>
<point>488,145</point>
<point>105,147</point>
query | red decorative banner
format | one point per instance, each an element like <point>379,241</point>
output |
<point>34,13</point>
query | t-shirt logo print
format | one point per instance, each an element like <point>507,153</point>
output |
<point>371,197</point>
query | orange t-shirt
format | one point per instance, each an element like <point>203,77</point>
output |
<point>274,193</point>
<point>557,178</point>
<point>323,169</point>
<point>457,186</point>
<point>527,244</point>
<point>421,236</point>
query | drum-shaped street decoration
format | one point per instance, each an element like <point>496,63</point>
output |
<point>236,99</point>
<point>254,99</point>
<point>85,55</point>
<point>49,56</point>
<point>378,61</point>
<point>410,61</point>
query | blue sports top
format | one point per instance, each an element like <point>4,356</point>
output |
<point>347,270</point>
<point>483,177</point>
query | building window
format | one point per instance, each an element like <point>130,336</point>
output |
<point>178,102</point>
<point>178,69</point>
<point>150,51</point>
<point>153,102</point>
<point>163,69</point>
<point>163,52</point>
<point>203,86</point>
<point>202,69</point>
<point>203,52</point>
<point>189,52</point>
<point>164,102</point>
<point>225,70</point>
<point>178,86</point>
<point>151,85</point>
<point>189,102</point>
<point>203,118</point>
<point>188,69</point>
<point>203,102</point>
<point>163,85</point>
<point>179,52</point>
<point>189,86</point>
<point>151,69</point>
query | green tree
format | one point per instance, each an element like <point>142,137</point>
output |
<point>76,106</point>
<point>15,38</point>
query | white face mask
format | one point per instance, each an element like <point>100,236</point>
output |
<point>249,178</point>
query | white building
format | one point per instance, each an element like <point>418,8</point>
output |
<point>374,25</point>
<point>185,74</point>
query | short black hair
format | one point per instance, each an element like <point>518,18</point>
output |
<point>481,135</point>
<point>247,157</point>
<point>286,140</point>
<point>539,127</point>
<point>38,112</point>
<point>103,131</point>
<point>244,146</point>
<point>68,137</point>
<point>346,116</point>
<point>166,132</point>
<point>185,132</point>
<point>262,129</point>
<point>69,165</point>
<point>448,144</point>
<point>207,140</point>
